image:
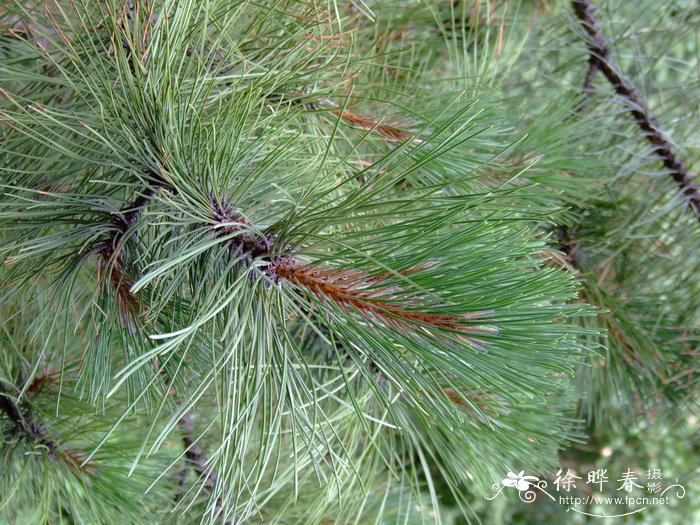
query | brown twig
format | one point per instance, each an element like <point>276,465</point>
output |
<point>600,60</point>
<point>247,244</point>
<point>390,132</point>
<point>593,68</point>
<point>477,404</point>
<point>370,296</point>
<point>40,380</point>
<point>111,260</point>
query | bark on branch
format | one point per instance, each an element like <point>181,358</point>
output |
<point>601,60</point>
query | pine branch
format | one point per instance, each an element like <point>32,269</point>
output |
<point>370,296</point>
<point>26,426</point>
<point>121,282</point>
<point>601,59</point>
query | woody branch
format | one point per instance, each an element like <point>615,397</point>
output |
<point>600,59</point>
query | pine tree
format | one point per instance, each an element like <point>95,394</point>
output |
<point>323,262</point>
